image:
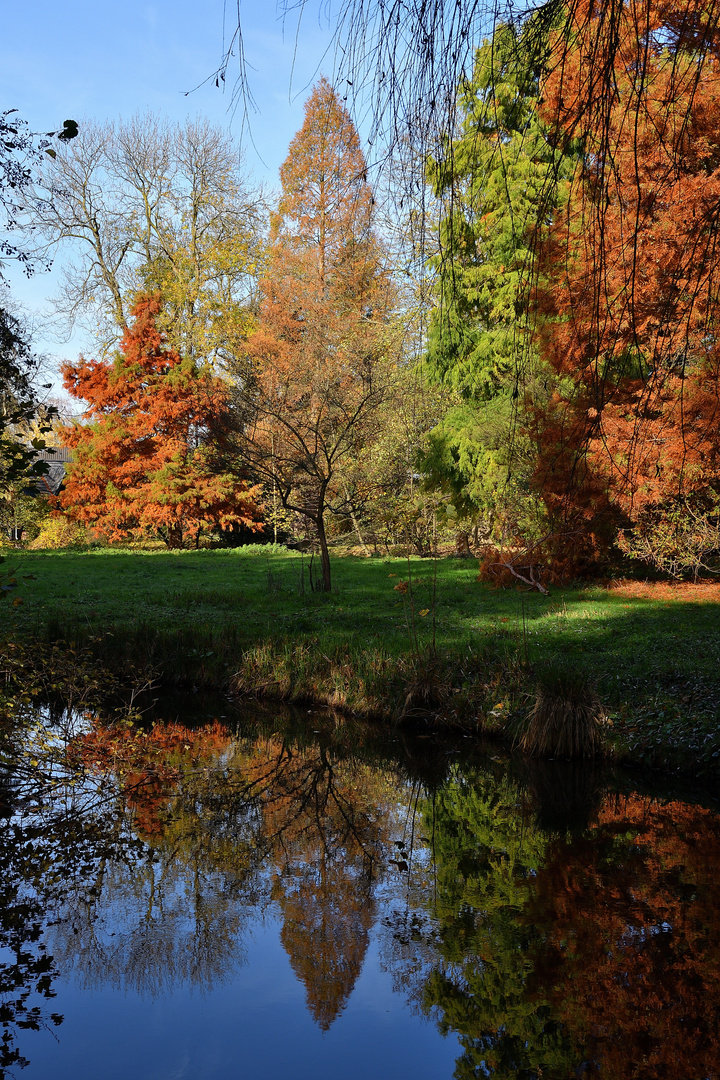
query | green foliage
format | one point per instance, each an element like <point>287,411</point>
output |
<point>679,537</point>
<point>22,514</point>
<point>387,503</point>
<point>58,531</point>
<point>482,984</point>
<point>470,452</point>
<point>413,521</point>
<point>497,185</point>
<point>490,183</point>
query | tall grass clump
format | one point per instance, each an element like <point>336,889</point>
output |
<point>366,682</point>
<point>567,719</point>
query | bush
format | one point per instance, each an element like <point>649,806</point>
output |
<point>679,537</point>
<point>59,532</point>
<point>21,514</point>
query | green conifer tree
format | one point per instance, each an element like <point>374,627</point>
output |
<point>497,186</point>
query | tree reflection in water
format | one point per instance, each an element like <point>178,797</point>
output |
<point>594,952</point>
<point>558,931</point>
<point>229,828</point>
<point>48,846</point>
<point>632,960</point>
<point>27,974</point>
<point>330,823</point>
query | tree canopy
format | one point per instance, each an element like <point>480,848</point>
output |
<point>320,357</point>
<point>495,181</point>
<point>628,275</point>
<point>21,156</point>
<point>148,454</point>
<point>151,206</point>
<point>576,289</point>
<point>570,170</point>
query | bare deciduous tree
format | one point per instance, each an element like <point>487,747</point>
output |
<point>146,205</point>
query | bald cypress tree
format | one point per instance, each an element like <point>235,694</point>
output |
<point>148,456</point>
<point>322,354</point>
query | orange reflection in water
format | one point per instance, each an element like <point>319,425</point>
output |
<point>632,962</point>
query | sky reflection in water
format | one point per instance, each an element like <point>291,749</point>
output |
<point>263,906</point>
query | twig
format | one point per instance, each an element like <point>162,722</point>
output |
<point>531,581</point>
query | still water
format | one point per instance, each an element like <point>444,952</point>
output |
<point>249,898</point>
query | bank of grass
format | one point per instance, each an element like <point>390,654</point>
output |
<point>248,620</point>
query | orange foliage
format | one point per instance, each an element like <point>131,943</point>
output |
<point>630,273</point>
<point>148,454</point>
<point>148,764</point>
<point>317,354</point>
<point>328,913</point>
<point>325,827</point>
<point>633,957</point>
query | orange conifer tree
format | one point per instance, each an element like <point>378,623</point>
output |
<point>630,276</point>
<point>322,355</point>
<point>148,455</point>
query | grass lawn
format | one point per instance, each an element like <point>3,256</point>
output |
<point>200,617</point>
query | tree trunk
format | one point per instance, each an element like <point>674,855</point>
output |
<point>462,543</point>
<point>324,553</point>
<point>173,536</point>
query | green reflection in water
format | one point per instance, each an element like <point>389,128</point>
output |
<point>587,951</point>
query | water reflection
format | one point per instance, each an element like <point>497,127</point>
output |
<point>557,922</point>
<point>591,953</point>
<point>631,961</point>
<point>230,827</point>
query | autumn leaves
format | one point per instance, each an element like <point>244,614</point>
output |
<point>167,445</point>
<point>572,340</point>
<point>577,287</point>
<point>149,457</point>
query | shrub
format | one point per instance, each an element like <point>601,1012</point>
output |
<point>679,537</point>
<point>59,532</point>
<point>567,719</point>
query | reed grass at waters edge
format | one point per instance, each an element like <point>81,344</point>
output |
<point>246,620</point>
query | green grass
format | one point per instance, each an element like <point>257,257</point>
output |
<point>198,618</point>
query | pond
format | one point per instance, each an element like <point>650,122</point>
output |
<point>246,896</point>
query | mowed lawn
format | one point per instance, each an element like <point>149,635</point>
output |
<point>635,646</point>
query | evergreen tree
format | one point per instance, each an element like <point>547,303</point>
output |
<point>149,452</point>
<point>498,183</point>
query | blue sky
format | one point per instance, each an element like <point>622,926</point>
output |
<point>77,59</point>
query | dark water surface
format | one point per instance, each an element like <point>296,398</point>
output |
<point>244,899</point>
